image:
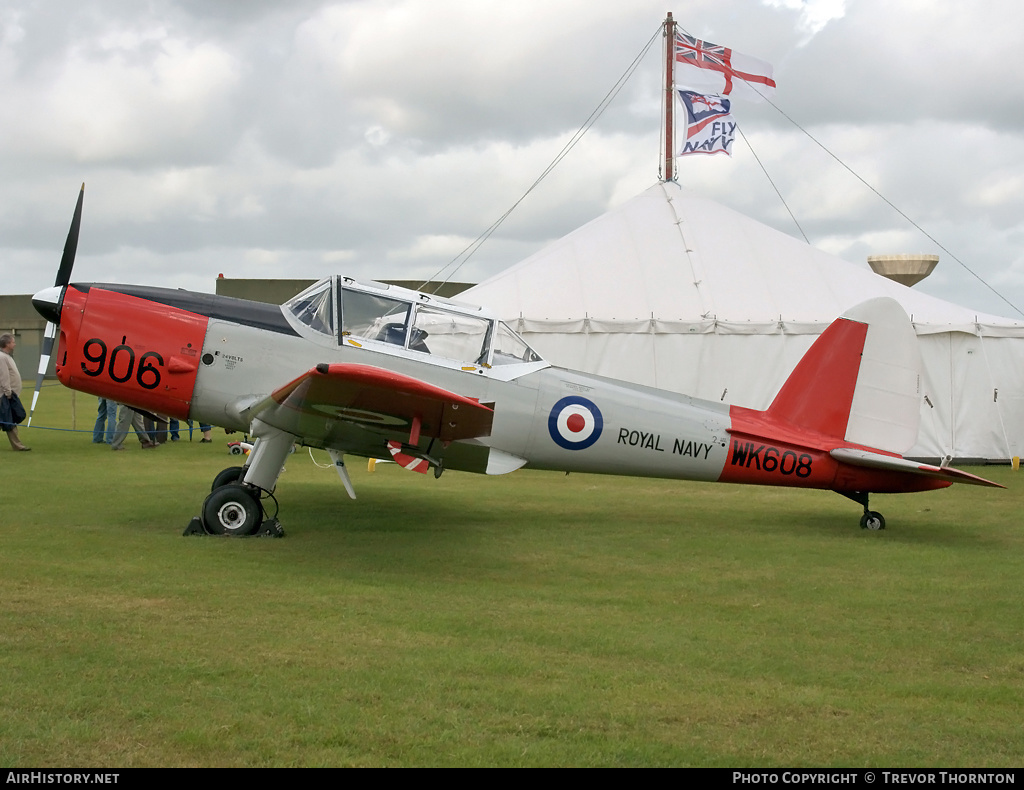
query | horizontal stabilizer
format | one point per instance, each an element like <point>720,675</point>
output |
<point>871,460</point>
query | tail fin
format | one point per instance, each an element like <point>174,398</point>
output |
<point>859,384</point>
<point>860,381</point>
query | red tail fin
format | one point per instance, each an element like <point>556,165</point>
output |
<point>818,394</point>
<point>845,413</point>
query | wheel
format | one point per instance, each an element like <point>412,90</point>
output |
<point>233,474</point>
<point>872,520</point>
<point>235,449</point>
<point>232,509</point>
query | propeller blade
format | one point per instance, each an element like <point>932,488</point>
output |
<point>67,260</point>
<point>44,363</point>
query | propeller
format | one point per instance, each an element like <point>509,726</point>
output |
<point>49,302</point>
<point>67,260</point>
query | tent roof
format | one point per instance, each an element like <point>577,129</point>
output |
<point>671,257</point>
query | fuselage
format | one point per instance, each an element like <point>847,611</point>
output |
<point>208,358</point>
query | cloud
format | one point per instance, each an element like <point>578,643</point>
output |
<point>374,136</point>
<point>814,14</point>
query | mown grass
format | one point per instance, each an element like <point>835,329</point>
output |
<point>533,619</point>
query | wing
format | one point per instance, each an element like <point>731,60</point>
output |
<point>359,408</point>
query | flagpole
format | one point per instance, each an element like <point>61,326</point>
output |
<point>670,39</point>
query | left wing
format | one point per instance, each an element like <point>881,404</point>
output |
<point>360,407</point>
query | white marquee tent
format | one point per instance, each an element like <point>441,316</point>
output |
<point>678,292</point>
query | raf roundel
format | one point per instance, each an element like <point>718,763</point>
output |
<point>575,423</point>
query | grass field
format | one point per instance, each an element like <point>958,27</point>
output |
<point>533,619</point>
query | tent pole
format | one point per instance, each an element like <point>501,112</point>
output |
<point>670,41</point>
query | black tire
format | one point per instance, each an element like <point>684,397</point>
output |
<point>233,474</point>
<point>872,520</point>
<point>232,509</point>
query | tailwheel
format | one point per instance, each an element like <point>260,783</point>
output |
<point>233,509</point>
<point>872,519</point>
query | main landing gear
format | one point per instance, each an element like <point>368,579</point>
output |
<point>235,504</point>
<point>235,508</point>
<point>871,519</point>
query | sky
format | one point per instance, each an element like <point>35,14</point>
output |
<point>380,138</point>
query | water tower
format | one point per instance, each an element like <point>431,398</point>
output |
<point>907,269</point>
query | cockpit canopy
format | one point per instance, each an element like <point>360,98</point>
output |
<point>410,320</point>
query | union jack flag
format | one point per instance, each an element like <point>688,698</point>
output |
<point>712,69</point>
<point>702,54</point>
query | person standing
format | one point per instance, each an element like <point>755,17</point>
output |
<point>10,383</point>
<point>106,422</point>
<point>127,418</point>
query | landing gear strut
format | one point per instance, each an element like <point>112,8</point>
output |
<point>871,519</point>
